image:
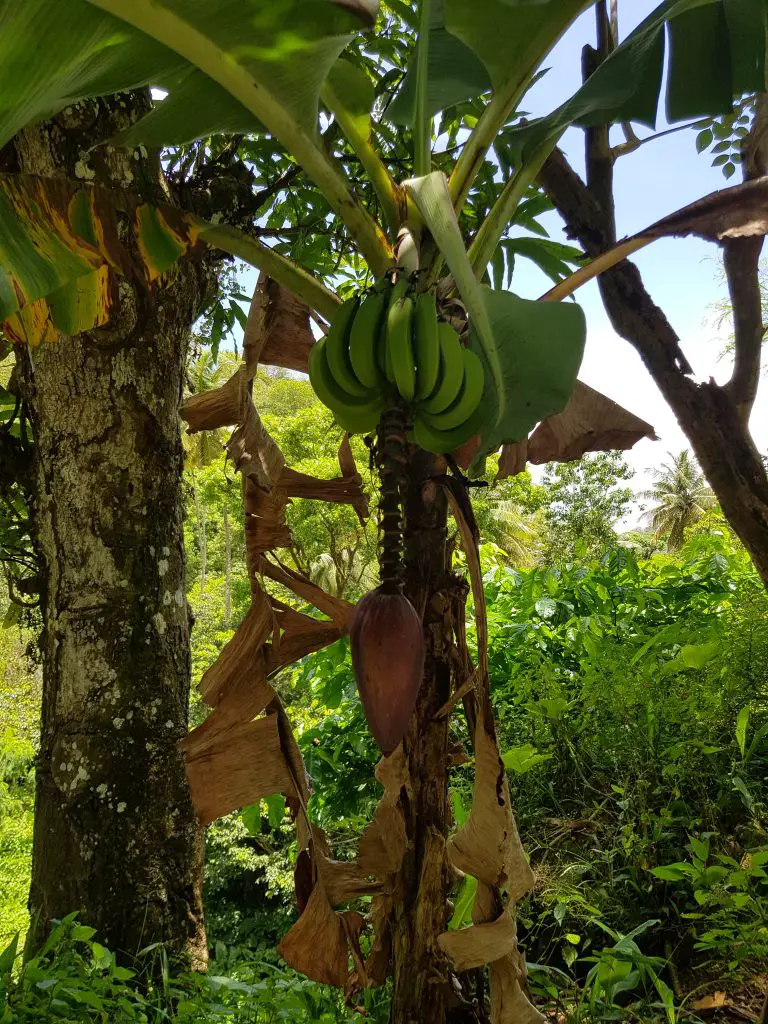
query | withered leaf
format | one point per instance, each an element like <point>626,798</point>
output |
<point>384,841</point>
<point>299,635</point>
<point>509,1004</point>
<point>239,664</point>
<point>345,490</point>
<point>224,406</point>
<point>286,337</point>
<point>265,525</point>
<point>236,767</point>
<point>334,607</point>
<point>253,450</point>
<point>469,541</point>
<point>487,845</point>
<point>480,944</point>
<point>513,459</point>
<point>317,944</point>
<point>590,422</point>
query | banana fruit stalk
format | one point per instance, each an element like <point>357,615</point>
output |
<point>388,348</point>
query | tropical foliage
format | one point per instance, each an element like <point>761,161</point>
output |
<point>629,697</point>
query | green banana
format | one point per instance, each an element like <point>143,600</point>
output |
<point>364,338</point>
<point>400,346</point>
<point>442,441</point>
<point>383,355</point>
<point>451,371</point>
<point>468,399</point>
<point>337,348</point>
<point>363,421</point>
<point>327,388</point>
<point>426,344</point>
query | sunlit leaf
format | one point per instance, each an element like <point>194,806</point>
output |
<point>522,759</point>
<point>61,254</point>
<point>716,53</point>
<point>233,64</point>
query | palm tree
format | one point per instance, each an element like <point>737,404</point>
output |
<point>682,496</point>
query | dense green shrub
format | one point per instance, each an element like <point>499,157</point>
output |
<point>74,978</point>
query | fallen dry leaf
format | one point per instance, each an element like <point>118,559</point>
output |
<point>710,1002</point>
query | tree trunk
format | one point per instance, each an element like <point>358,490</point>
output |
<point>115,835</point>
<point>421,990</point>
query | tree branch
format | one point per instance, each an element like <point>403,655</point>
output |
<point>597,145</point>
<point>717,434</point>
<point>632,312</point>
<point>741,259</point>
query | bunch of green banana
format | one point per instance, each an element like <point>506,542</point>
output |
<point>390,348</point>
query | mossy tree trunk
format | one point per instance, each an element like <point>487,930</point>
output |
<point>115,835</point>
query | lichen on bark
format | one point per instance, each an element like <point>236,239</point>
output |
<point>115,834</point>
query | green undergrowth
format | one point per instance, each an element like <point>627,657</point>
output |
<point>632,714</point>
<point>74,978</point>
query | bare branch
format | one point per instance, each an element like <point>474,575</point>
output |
<point>633,313</point>
<point>741,258</point>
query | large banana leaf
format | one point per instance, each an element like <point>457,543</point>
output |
<point>227,65</point>
<point>53,53</point>
<point>531,351</point>
<point>61,254</point>
<point>455,74</point>
<point>483,44</point>
<point>714,50</point>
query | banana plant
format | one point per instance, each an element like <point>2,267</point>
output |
<point>425,228</point>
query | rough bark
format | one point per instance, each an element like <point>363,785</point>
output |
<point>115,835</point>
<point>421,990</point>
<point>707,413</point>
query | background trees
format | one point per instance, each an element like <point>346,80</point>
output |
<point>682,496</point>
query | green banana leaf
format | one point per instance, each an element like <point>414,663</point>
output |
<point>54,53</point>
<point>233,64</point>
<point>485,44</point>
<point>715,53</point>
<point>61,254</point>
<point>350,88</point>
<point>510,37</point>
<point>531,351</point>
<point>455,74</point>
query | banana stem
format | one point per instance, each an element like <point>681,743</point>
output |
<point>386,187</point>
<point>422,128</point>
<point>480,140</point>
<point>391,461</point>
<point>503,210</point>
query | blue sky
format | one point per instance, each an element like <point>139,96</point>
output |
<point>682,275</point>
